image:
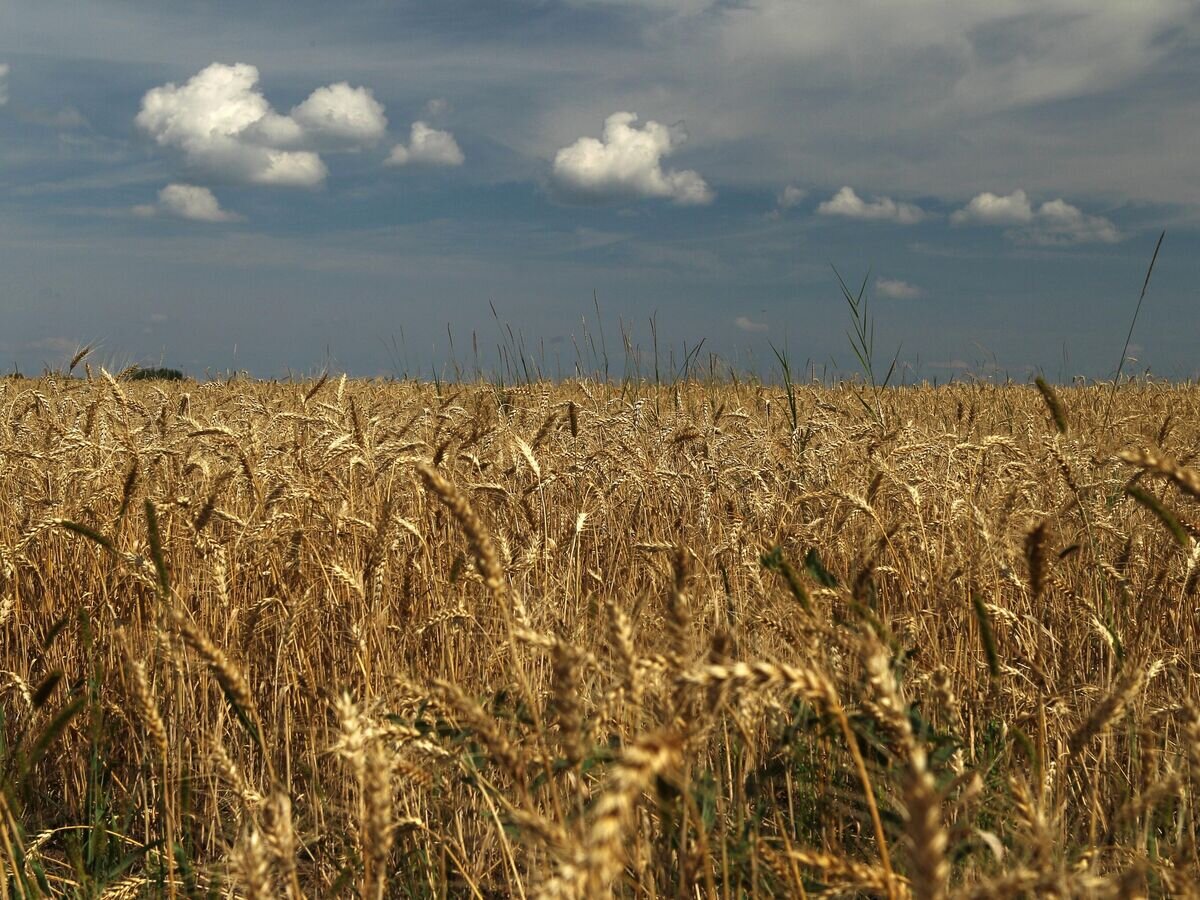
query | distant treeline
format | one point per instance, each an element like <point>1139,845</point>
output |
<point>157,373</point>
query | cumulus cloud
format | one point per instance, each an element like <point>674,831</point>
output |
<point>427,145</point>
<point>991,209</point>
<point>3,83</point>
<point>187,201</point>
<point>881,209</point>
<point>627,162</point>
<point>747,324</point>
<point>895,289</point>
<point>223,124</point>
<point>1054,223</point>
<point>1059,222</point>
<point>343,113</point>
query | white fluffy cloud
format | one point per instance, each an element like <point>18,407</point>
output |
<point>627,162</point>
<point>1054,223</point>
<point>881,209</point>
<point>342,113</point>
<point>1058,222</point>
<point>992,209</point>
<point>222,123</point>
<point>895,289</point>
<point>187,201</point>
<point>3,83</point>
<point>427,145</point>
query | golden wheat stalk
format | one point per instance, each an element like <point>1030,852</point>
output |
<point>594,870</point>
<point>1185,478</point>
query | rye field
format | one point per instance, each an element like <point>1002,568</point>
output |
<point>366,639</point>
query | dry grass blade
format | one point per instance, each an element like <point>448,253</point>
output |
<point>1133,322</point>
<point>986,635</point>
<point>1057,413</point>
<point>90,533</point>
<point>229,677</point>
<point>1109,709</point>
<point>811,684</point>
<point>915,695</point>
<point>776,562</point>
<point>1169,520</point>
<point>79,356</point>
<point>156,553</point>
<point>483,551</point>
<point>145,707</point>
<point>679,616</point>
<point>594,871</point>
<point>253,867</point>
<point>1185,478</point>
<point>836,871</point>
<point>1035,557</point>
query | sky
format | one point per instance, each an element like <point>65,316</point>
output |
<point>403,188</point>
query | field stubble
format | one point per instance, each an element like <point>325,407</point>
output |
<point>572,640</point>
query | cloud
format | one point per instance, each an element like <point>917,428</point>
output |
<point>626,163</point>
<point>882,209</point>
<point>748,324</point>
<point>895,289</point>
<point>64,119</point>
<point>427,145</point>
<point>791,196</point>
<point>343,113</point>
<point>933,94</point>
<point>1059,223</point>
<point>1054,223</point>
<point>187,201</point>
<point>224,125</point>
<point>990,209</point>
<point>3,83</point>
<point>56,344</point>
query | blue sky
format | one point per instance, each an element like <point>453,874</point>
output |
<point>282,186</point>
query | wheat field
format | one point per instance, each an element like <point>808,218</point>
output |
<point>364,639</point>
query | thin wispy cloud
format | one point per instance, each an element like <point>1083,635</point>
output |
<point>626,163</point>
<point>896,289</point>
<point>1053,223</point>
<point>847,204</point>
<point>3,83</point>
<point>791,196</point>
<point>187,201</point>
<point>745,323</point>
